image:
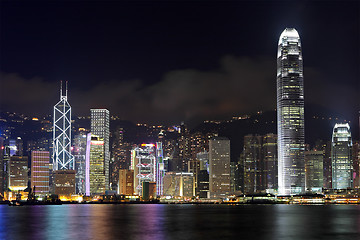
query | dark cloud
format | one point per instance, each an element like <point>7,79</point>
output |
<point>240,85</point>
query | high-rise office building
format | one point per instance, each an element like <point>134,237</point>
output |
<point>143,162</point>
<point>94,169</point>
<point>202,185</point>
<point>341,157</point>
<point>40,172</point>
<point>79,153</point>
<point>120,158</point>
<point>270,155</point>
<point>184,148</point>
<point>356,163</point>
<point>160,169</point>
<point>100,126</point>
<point>219,170</point>
<point>126,182</point>
<point>2,175</point>
<point>62,158</point>
<point>253,164</point>
<point>260,163</point>
<point>179,184</point>
<point>64,182</point>
<point>290,114</point>
<point>18,173</point>
<point>325,148</point>
<point>314,170</point>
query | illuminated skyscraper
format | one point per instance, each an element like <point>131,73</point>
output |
<point>260,163</point>
<point>126,182</point>
<point>269,149</point>
<point>18,173</point>
<point>202,186</point>
<point>94,170</point>
<point>253,164</point>
<point>179,184</point>
<point>100,126</point>
<point>160,170</point>
<point>219,171</point>
<point>341,157</point>
<point>62,158</point>
<point>40,172</point>
<point>79,152</point>
<point>120,156</point>
<point>290,114</point>
<point>143,162</point>
<point>314,170</point>
<point>64,182</point>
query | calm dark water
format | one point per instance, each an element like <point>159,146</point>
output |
<point>150,222</point>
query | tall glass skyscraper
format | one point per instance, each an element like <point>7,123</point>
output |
<point>94,165</point>
<point>100,126</point>
<point>219,167</point>
<point>290,114</point>
<point>341,157</point>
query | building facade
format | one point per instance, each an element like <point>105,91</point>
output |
<point>126,182</point>
<point>179,184</point>
<point>18,173</point>
<point>143,162</point>
<point>314,170</point>
<point>270,155</point>
<point>94,170</point>
<point>40,161</point>
<point>64,182</point>
<point>260,163</point>
<point>100,126</point>
<point>79,153</point>
<point>253,164</point>
<point>290,114</point>
<point>341,157</point>
<point>202,180</point>
<point>219,167</point>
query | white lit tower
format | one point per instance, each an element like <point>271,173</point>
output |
<point>290,114</point>
<point>160,170</point>
<point>62,158</point>
<point>100,126</point>
<point>143,162</point>
<point>341,157</point>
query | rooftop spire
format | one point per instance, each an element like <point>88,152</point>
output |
<point>61,92</point>
<point>62,96</point>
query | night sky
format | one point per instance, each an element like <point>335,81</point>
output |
<point>173,61</point>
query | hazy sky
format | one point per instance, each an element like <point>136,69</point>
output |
<point>172,61</point>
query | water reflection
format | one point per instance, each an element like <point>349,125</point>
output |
<point>177,222</point>
<point>150,222</point>
<point>316,222</point>
<point>2,222</point>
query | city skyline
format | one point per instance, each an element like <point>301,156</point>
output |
<point>179,78</point>
<point>186,119</point>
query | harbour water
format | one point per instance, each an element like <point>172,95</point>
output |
<point>161,221</point>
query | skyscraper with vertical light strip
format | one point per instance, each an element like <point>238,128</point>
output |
<point>290,114</point>
<point>100,126</point>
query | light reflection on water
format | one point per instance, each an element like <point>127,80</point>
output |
<point>177,222</point>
